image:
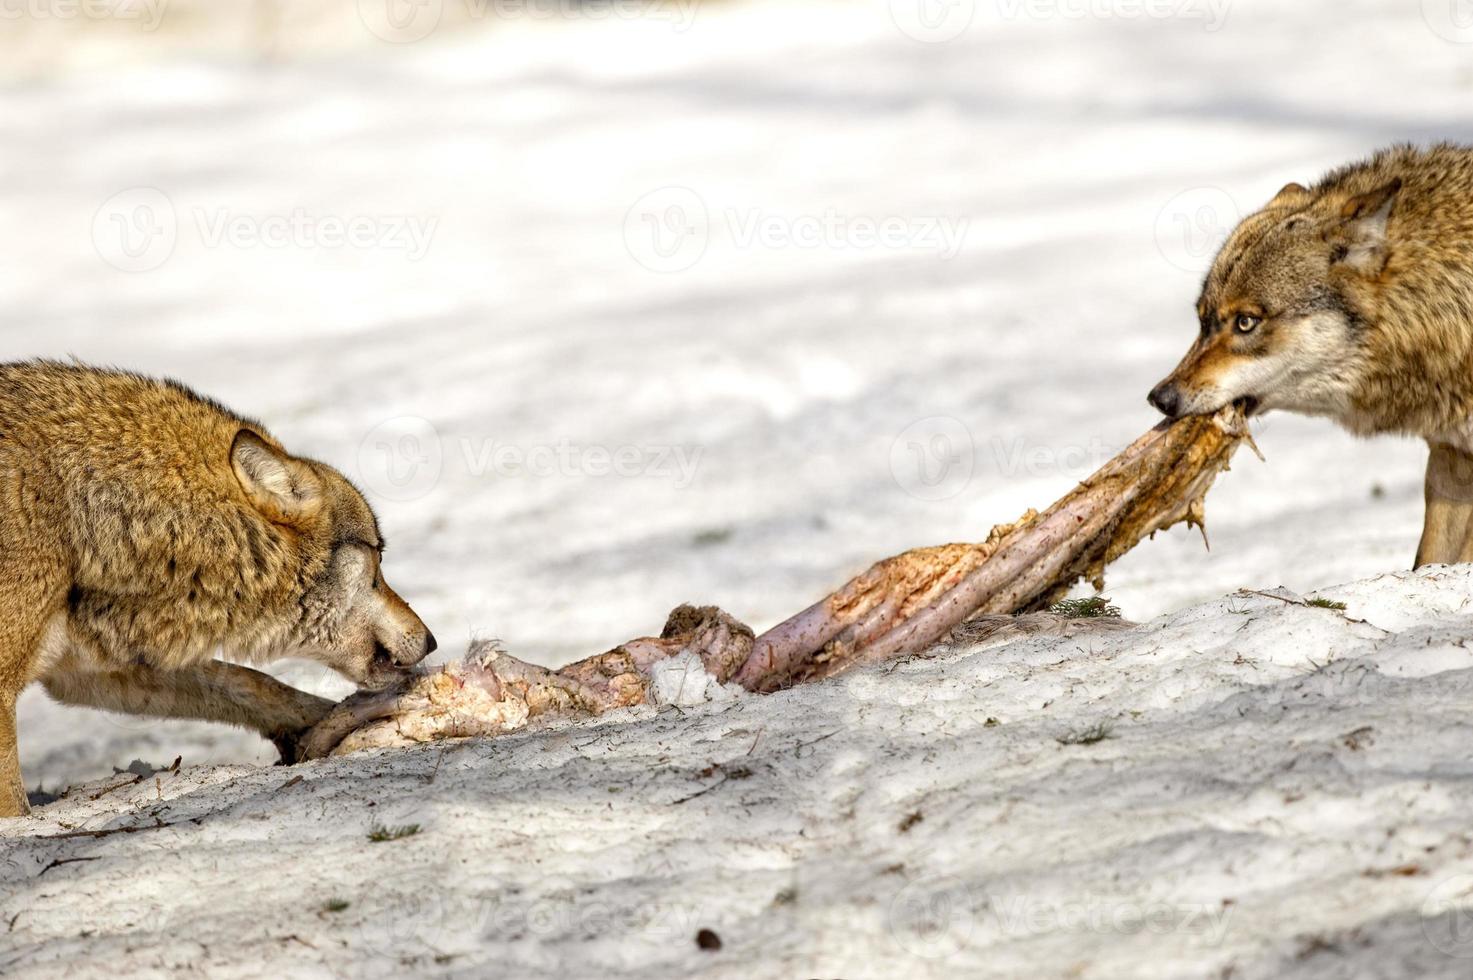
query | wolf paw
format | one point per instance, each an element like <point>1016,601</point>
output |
<point>289,744</point>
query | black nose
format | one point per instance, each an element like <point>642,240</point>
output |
<point>431,645</point>
<point>1166,399</point>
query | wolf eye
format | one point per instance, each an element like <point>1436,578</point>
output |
<point>1246,323</point>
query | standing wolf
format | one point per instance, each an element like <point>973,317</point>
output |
<point>1353,299</point>
<point>143,527</point>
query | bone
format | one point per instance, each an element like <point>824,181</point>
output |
<point>899,606</point>
<point>907,603</point>
<point>491,692</point>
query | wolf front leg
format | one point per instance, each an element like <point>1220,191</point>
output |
<point>12,787</point>
<point>32,589</point>
<point>1447,530</point>
<point>213,691</point>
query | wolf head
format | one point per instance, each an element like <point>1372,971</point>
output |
<point>1282,310</point>
<point>343,613</point>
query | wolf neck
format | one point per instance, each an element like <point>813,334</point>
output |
<point>1416,374</point>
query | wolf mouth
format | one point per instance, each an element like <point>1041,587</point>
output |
<point>383,671</point>
<point>383,659</point>
<point>1248,404</point>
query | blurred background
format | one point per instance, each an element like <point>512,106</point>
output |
<point>609,306</point>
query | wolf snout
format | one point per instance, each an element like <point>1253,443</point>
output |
<point>407,653</point>
<point>1166,399</point>
<point>415,651</point>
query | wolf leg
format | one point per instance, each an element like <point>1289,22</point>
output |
<point>30,594</point>
<point>1447,531</point>
<point>12,787</point>
<point>213,691</point>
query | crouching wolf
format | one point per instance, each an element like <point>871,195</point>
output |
<point>143,527</point>
<point>1353,299</point>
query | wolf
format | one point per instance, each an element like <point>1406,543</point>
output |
<point>143,527</point>
<point>1352,299</point>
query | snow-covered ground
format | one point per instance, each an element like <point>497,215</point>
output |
<point>1251,787</point>
<point>719,304</point>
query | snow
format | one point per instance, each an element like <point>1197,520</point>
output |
<point>606,316</point>
<point>1281,790</point>
<point>683,681</point>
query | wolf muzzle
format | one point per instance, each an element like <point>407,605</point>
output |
<point>1166,399</point>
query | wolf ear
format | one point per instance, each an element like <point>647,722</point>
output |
<point>1292,194</point>
<point>282,488</point>
<point>1360,239</point>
